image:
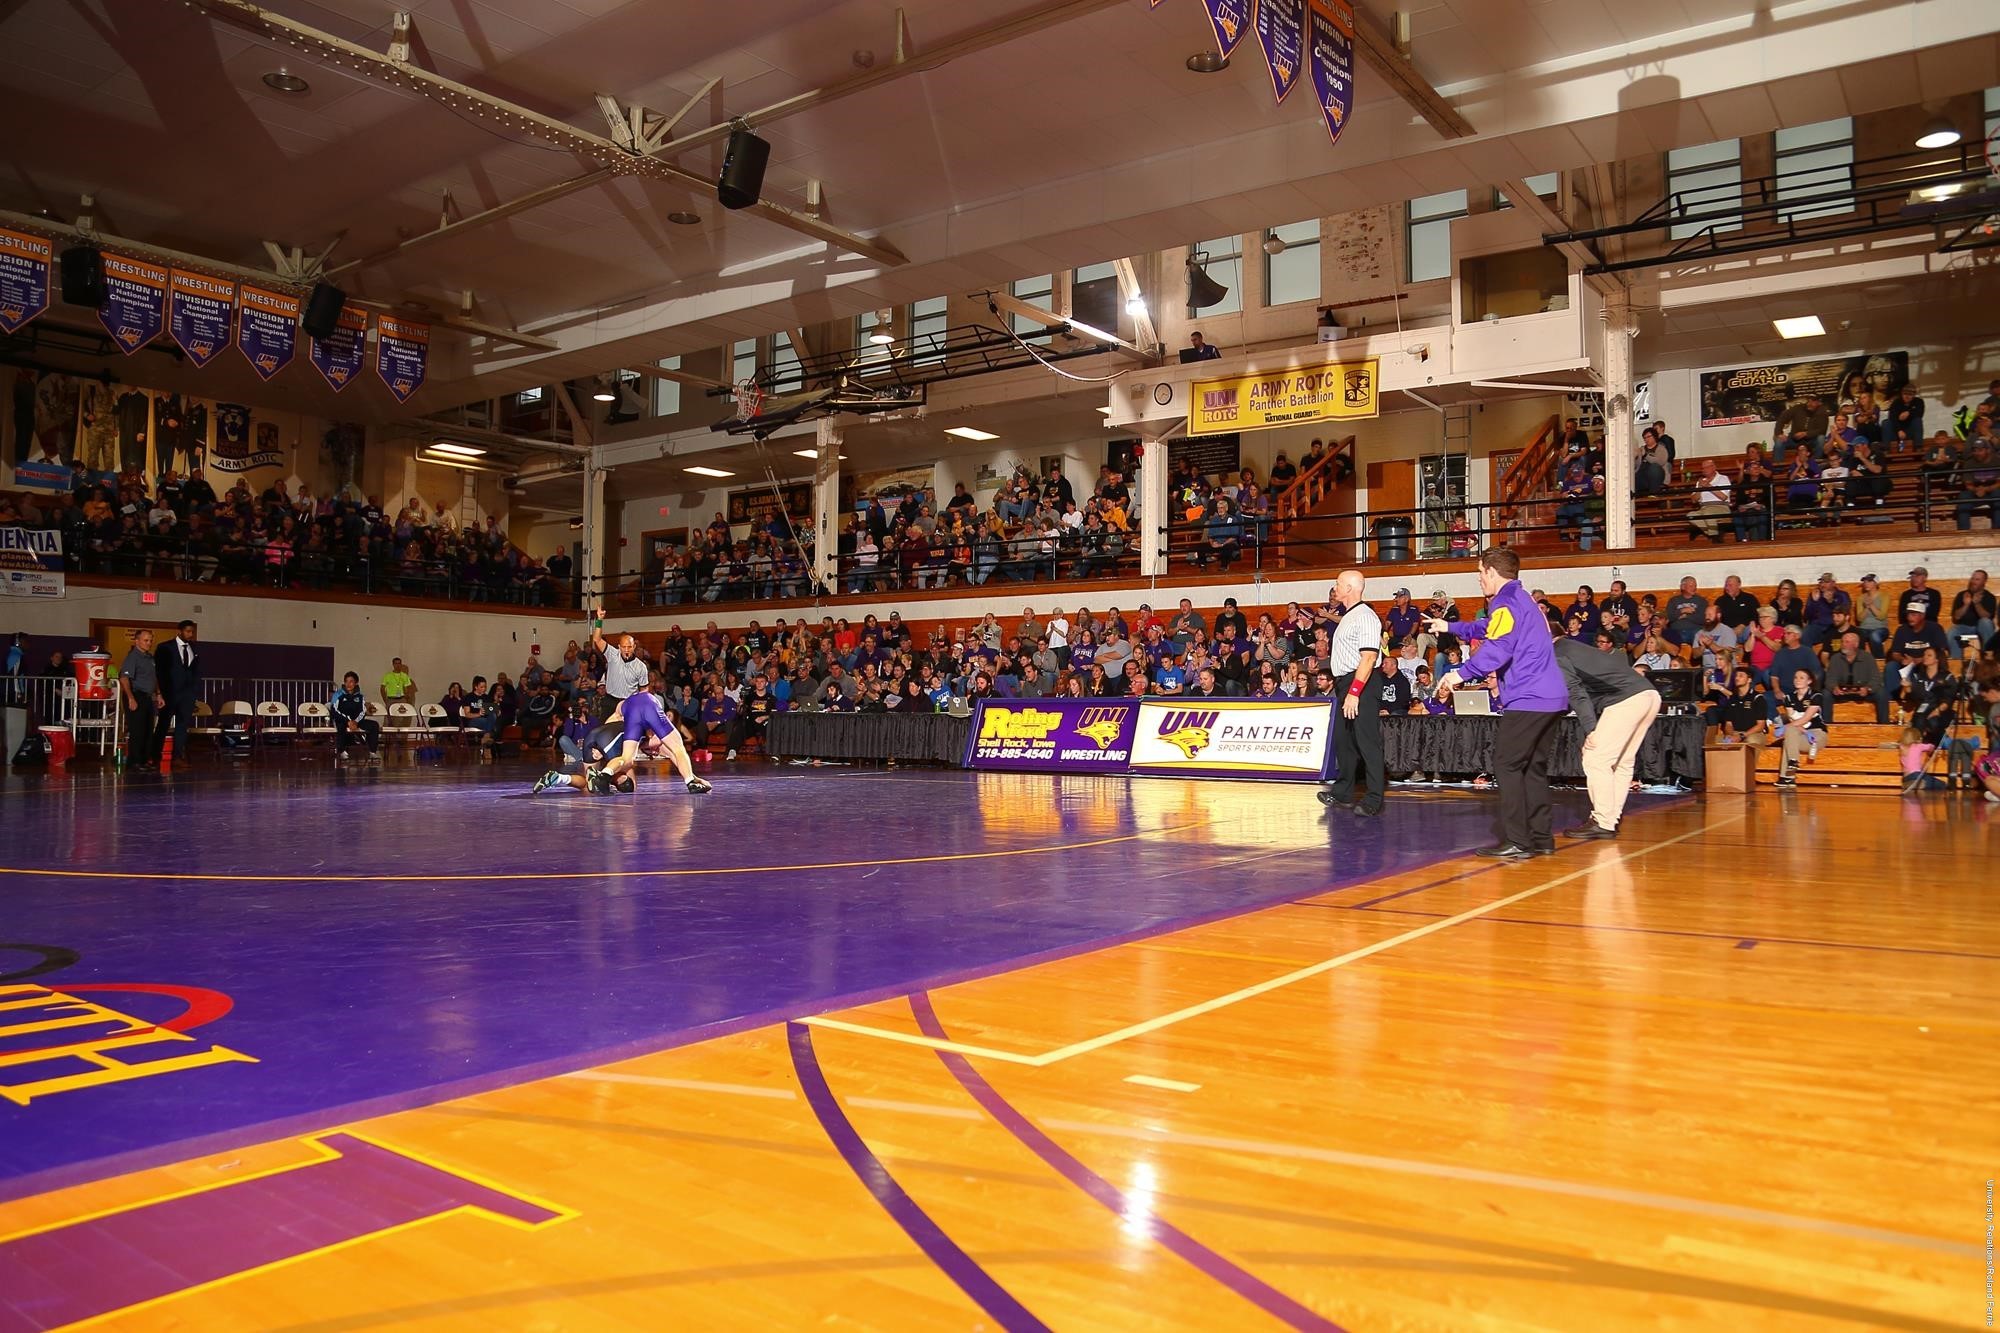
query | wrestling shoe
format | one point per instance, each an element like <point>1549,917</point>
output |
<point>596,782</point>
<point>626,784</point>
<point>546,781</point>
<point>700,786</point>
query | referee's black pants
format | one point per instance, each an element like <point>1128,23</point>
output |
<point>1521,767</point>
<point>1357,744</point>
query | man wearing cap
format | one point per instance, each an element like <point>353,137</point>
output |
<point>1357,735</point>
<point>1402,618</point>
<point>1921,594</point>
<point>1826,598</point>
<point>1615,707</point>
<point>1520,651</point>
<point>1230,622</point>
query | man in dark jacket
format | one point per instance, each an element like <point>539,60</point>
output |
<point>1615,707</point>
<point>178,667</point>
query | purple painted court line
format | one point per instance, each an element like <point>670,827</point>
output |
<point>365,996</point>
<point>1703,935</point>
<point>907,1213</point>
<point>1239,1280</point>
<point>92,1267</point>
<point>1746,944</point>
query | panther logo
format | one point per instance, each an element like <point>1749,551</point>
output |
<point>1188,732</point>
<point>1101,727</point>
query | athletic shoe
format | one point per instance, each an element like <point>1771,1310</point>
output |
<point>700,786</point>
<point>546,781</point>
<point>1590,831</point>
<point>1993,798</point>
<point>596,781</point>
<point>1787,781</point>
<point>730,755</point>
<point>1327,798</point>
<point>1370,809</point>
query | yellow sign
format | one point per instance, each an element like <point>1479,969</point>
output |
<point>1283,398</point>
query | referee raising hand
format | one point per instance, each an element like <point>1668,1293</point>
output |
<point>1357,738</point>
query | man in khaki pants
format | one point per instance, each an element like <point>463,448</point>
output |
<point>1614,706</point>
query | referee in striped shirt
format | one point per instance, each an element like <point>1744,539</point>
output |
<point>1355,651</point>
<point>625,672</point>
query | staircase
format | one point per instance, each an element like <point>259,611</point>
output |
<point>1524,499</point>
<point>1308,529</point>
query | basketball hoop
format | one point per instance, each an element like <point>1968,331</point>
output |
<point>749,399</point>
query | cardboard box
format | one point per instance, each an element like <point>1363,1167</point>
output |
<point>1730,768</point>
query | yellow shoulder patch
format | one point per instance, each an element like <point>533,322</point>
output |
<point>1499,623</point>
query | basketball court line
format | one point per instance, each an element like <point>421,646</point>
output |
<point>1150,1025</point>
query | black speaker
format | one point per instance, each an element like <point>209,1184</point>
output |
<point>323,309</point>
<point>83,276</point>
<point>742,181</point>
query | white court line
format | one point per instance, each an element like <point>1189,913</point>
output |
<point>1170,1084</point>
<point>1150,1025</point>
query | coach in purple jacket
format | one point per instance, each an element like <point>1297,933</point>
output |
<point>1520,653</point>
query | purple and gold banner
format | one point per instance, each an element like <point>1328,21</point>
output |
<point>1281,31</point>
<point>25,262</point>
<point>1052,735</point>
<point>1330,42</point>
<point>267,329</point>
<point>135,302</point>
<point>340,356</point>
<point>198,314</point>
<point>1230,19</point>
<point>1290,739</point>
<point>402,354</point>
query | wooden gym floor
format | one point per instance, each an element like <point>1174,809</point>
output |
<point>1735,1070</point>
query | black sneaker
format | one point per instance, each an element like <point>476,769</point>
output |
<point>700,786</point>
<point>546,781</point>
<point>1787,781</point>
<point>596,781</point>
<point>1590,830</point>
<point>1326,797</point>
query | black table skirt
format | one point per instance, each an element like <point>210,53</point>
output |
<point>937,738</point>
<point>1671,750</point>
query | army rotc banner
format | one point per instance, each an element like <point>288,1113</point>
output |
<point>1284,398</point>
<point>135,302</point>
<point>1281,31</point>
<point>340,356</point>
<point>1230,19</point>
<point>267,329</point>
<point>1330,38</point>
<point>198,314</point>
<point>402,354</point>
<point>24,278</point>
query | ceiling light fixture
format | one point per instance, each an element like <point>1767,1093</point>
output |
<point>881,336</point>
<point>1136,307</point>
<point>1805,326</point>
<point>1274,244</point>
<point>284,81</point>
<point>708,472</point>
<point>680,217</point>
<point>1207,62</point>
<point>809,453</point>
<point>604,394</point>
<point>1938,133</point>
<point>458,450</point>
<point>971,433</point>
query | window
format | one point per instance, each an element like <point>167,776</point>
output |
<point>1429,233</point>
<point>1293,273</point>
<point>667,393</point>
<point>743,361</point>
<point>1992,113</point>
<point>1814,165</point>
<point>786,372</point>
<point>1093,296</point>
<point>927,330</point>
<point>530,397</point>
<point>1223,258</point>
<point>1544,186</point>
<point>1039,292</point>
<point>1702,183</point>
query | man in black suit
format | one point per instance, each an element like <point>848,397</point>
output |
<point>178,667</point>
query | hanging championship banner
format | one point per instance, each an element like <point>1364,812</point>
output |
<point>402,350</point>
<point>1330,39</point>
<point>24,278</point>
<point>340,356</point>
<point>1283,398</point>
<point>1230,19</point>
<point>135,302</point>
<point>267,329</point>
<point>1281,31</point>
<point>198,313</point>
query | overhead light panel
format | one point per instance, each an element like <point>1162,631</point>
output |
<point>809,453</point>
<point>708,472</point>
<point>1136,307</point>
<point>1805,326</point>
<point>284,81</point>
<point>969,433</point>
<point>1938,133</point>
<point>1207,62</point>
<point>457,450</point>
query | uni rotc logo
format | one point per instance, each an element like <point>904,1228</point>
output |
<point>1188,731</point>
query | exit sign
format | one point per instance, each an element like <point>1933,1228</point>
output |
<point>149,599</point>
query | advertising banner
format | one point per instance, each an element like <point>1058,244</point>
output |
<point>1234,738</point>
<point>1284,398</point>
<point>1281,31</point>
<point>341,356</point>
<point>1052,735</point>
<point>267,329</point>
<point>402,354</point>
<point>31,561</point>
<point>244,443</point>
<point>43,474</point>
<point>198,314</point>
<point>135,302</point>
<point>758,507</point>
<point>1749,395</point>
<point>1330,42</point>
<point>1230,19</point>
<point>25,262</point>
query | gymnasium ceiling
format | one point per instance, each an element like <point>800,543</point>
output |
<point>1082,139</point>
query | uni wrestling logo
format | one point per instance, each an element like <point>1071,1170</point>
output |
<point>1018,724</point>
<point>1101,726</point>
<point>1188,731</point>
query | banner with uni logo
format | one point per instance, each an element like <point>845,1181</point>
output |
<point>1330,41</point>
<point>1234,738</point>
<point>267,329</point>
<point>341,356</point>
<point>402,354</point>
<point>1281,31</point>
<point>198,314</point>
<point>1052,735</point>
<point>1230,19</point>
<point>135,302</point>
<point>1289,397</point>
<point>24,278</point>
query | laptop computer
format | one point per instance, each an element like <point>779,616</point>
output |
<point>1471,703</point>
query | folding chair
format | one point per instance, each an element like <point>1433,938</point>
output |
<point>274,722</point>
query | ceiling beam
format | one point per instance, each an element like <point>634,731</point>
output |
<point>486,217</point>
<point>1142,317</point>
<point>1014,305</point>
<point>360,60</point>
<point>1551,222</point>
<point>1379,49</point>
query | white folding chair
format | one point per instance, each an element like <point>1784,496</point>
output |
<point>274,722</point>
<point>204,724</point>
<point>434,723</point>
<point>404,724</point>
<point>236,708</point>
<point>316,721</point>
